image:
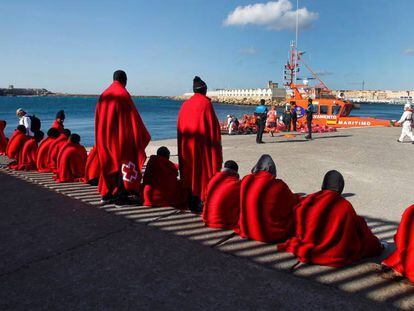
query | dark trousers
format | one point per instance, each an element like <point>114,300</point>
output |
<point>294,120</point>
<point>309,122</point>
<point>287,124</point>
<point>260,130</point>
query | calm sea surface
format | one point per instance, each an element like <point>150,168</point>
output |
<point>159,115</point>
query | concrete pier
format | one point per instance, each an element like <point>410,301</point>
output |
<point>61,251</point>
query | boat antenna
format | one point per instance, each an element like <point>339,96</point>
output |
<point>296,37</point>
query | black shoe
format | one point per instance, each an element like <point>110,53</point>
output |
<point>107,199</point>
<point>123,201</point>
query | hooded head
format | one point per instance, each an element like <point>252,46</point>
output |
<point>21,128</point>
<point>67,132</point>
<point>121,77</point>
<point>163,152</point>
<point>38,136</point>
<point>20,112</point>
<point>334,181</point>
<point>60,116</point>
<point>199,86</point>
<point>74,138</point>
<point>265,164</point>
<point>262,102</point>
<point>53,133</point>
<point>407,107</point>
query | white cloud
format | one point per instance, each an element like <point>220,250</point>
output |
<point>249,51</point>
<point>275,15</point>
<point>409,51</point>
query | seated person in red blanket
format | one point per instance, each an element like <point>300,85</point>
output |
<point>222,205</point>
<point>401,261</point>
<point>266,204</point>
<point>42,162</point>
<point>59,120</point>
<point>55,147</point>
<point>92,169</point>
<point>160,185</point>
<point>28,156</point>
<point>328,230</point>
<point>71,161</point>
<point>16,142</point>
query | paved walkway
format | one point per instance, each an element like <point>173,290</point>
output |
<point>60,251</point>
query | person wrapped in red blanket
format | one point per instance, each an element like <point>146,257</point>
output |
<point>92,169</point>
<point>121,138</point>
<point>161,187</point>
<point>42,161</point>
<point>266,204</point>
<point>59,120</point>
<point>28,156</point>
<point>328,230</point>
<point>55,148</point>
<point>16,142</point>
<point>3,138</point>
<point>401,261</point>
<point>71,161</point>
<point>222,205</point>
<point>199,144</point>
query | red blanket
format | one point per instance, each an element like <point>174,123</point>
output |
<point>92,169</point>
<point>54,150</point>
<point>15,144</point>
<point>58,126</point>
<point>199,144</point>
<point>121,139</point>
<point>28,156</point>
<point>161,187</point>
<point>222,205</point>
<point>266,208</point>
<point>329,232</point>
<point>3,138</point>
<point>402,260</point>
<point>42,162</point>
<point>71,163</point>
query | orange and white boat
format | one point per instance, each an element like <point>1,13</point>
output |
<point>330,110</point>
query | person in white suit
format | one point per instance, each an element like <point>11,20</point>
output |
<point>406,122</point>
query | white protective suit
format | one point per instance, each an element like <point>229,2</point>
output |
<point>406,122</point>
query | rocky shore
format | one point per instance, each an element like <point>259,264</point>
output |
<point>236,101</point>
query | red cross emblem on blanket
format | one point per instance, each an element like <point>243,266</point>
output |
<point>129,172</point>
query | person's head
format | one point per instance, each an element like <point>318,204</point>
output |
<point>266,164</point>
<point>334,181</point>
<point>163,152</point>
<point>293,104</point>
<point>38,136</point>
<point>309,101</point>
<point>67,132</point>
<point>60,116</point>
<point>273,107</point>
<point>20,112</point>
<point>262,102</point>
<point>407,107</point>
<point>53,133</point>
<point>74,138</point>
<point>231,165</point>
<point>21,128</point>
<point>121,77</point>
<point>199,86</point>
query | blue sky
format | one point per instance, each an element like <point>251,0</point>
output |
<point>74,46</point>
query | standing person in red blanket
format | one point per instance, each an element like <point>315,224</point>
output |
<point>3,138</point>
<point>222,205</point>
<point>16,142</point>
<point>199,144</point>
<point>55,148</point>
<point>121,138</point>
<point>71,161</point>
<point>328,230</point>
<point>92,169</point>
<point>28,156</point>
<point>401,261</point>
<point>59,120</point>
<point>266,204</point>
<point>42,162</point>
<point>161,187</point>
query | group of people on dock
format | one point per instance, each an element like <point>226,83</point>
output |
<point>321,228</point>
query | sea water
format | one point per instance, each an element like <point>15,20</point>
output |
<point>159,114</point>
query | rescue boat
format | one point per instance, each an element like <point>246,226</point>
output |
<point>329,109</point>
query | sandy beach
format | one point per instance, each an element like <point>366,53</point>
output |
<point>65,252</point>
